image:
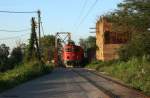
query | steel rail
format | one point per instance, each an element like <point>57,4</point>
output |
<point>114,81</point>
<point>107,92</point>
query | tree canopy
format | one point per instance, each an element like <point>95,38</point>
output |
<point>133,16</point>
<point>88,43</point>
<point>48,47</point>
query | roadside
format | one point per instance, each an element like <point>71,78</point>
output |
<point>110,87</point>
<point>134,72</point>
<point>61,83</point>
<point>23,73</point>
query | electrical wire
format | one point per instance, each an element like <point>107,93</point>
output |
<point>83,19</point>
<point>81,12</point>
<point>3,30</point>
<point>83,8</point>
<point>18,12</point>
<point>91,8</point>
<point>14,37</point>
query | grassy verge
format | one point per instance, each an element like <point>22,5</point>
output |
<point>21,74</point>
<point>135,72</point>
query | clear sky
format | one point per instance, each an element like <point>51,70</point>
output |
<point>57,15</point>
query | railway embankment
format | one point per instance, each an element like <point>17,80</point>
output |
<point>135,73</point>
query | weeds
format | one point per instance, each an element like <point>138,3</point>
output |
<point>134,72</point>
<point>21,74</point>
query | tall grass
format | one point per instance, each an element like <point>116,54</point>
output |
<point>21,74</point>
<point>135,72</point>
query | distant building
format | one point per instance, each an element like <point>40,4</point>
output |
<point>107,41</point>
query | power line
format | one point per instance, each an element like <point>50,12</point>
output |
<point>3,30</point>
<point>81,12</point>
<point>14,37</point>
<point>91,8</point>
<point>16,12</point>
<point>19,12</point>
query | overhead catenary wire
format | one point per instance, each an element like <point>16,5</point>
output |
<point>91,8</point>
<point>80,13</point>
<point>82,9</point>
<point>87,14</point>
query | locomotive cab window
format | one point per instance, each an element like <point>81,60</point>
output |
<point>68,49</point>
<point>75,49</point>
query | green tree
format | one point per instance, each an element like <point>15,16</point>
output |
<point>82,43</point>
<point>89,46</point>
<point>16,56</point>
<point>88,43</point>
<point>48,46</point>
<point>33,50</point>
<point>133,17</point>
<point>4,52</point>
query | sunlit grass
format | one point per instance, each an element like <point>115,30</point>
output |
<point>22,73</point>
<point>135,72</point>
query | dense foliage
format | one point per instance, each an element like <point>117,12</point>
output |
<point>23,63</point>
<point>132,16</point>
<point>88,43</point>
<point>4,52</point>
<point>48,47</point>
<point>22,73</point>
<point>16,56</point>
<point>9,60</point>
<point>134,72</point>
<point>89,46</point>
<point>33,49</point>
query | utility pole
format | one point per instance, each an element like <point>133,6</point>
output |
<point>39,27</point>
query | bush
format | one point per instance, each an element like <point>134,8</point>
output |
<point>138,47</point>
<point>21,74</point>
<point>135,72</point>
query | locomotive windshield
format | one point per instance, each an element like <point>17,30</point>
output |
<point>75,49</point>
<point>72,49</point>
<point>68,50</point>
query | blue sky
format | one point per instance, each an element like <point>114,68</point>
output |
<point>57,15</point>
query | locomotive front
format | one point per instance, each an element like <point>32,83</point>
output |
<point>72,55</point>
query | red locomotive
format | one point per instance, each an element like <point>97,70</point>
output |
<point>72,55</point>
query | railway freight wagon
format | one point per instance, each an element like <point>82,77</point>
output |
<point>72,55</point>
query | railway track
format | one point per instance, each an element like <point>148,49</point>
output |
<point>107,92</point>
<point>110,87</point>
